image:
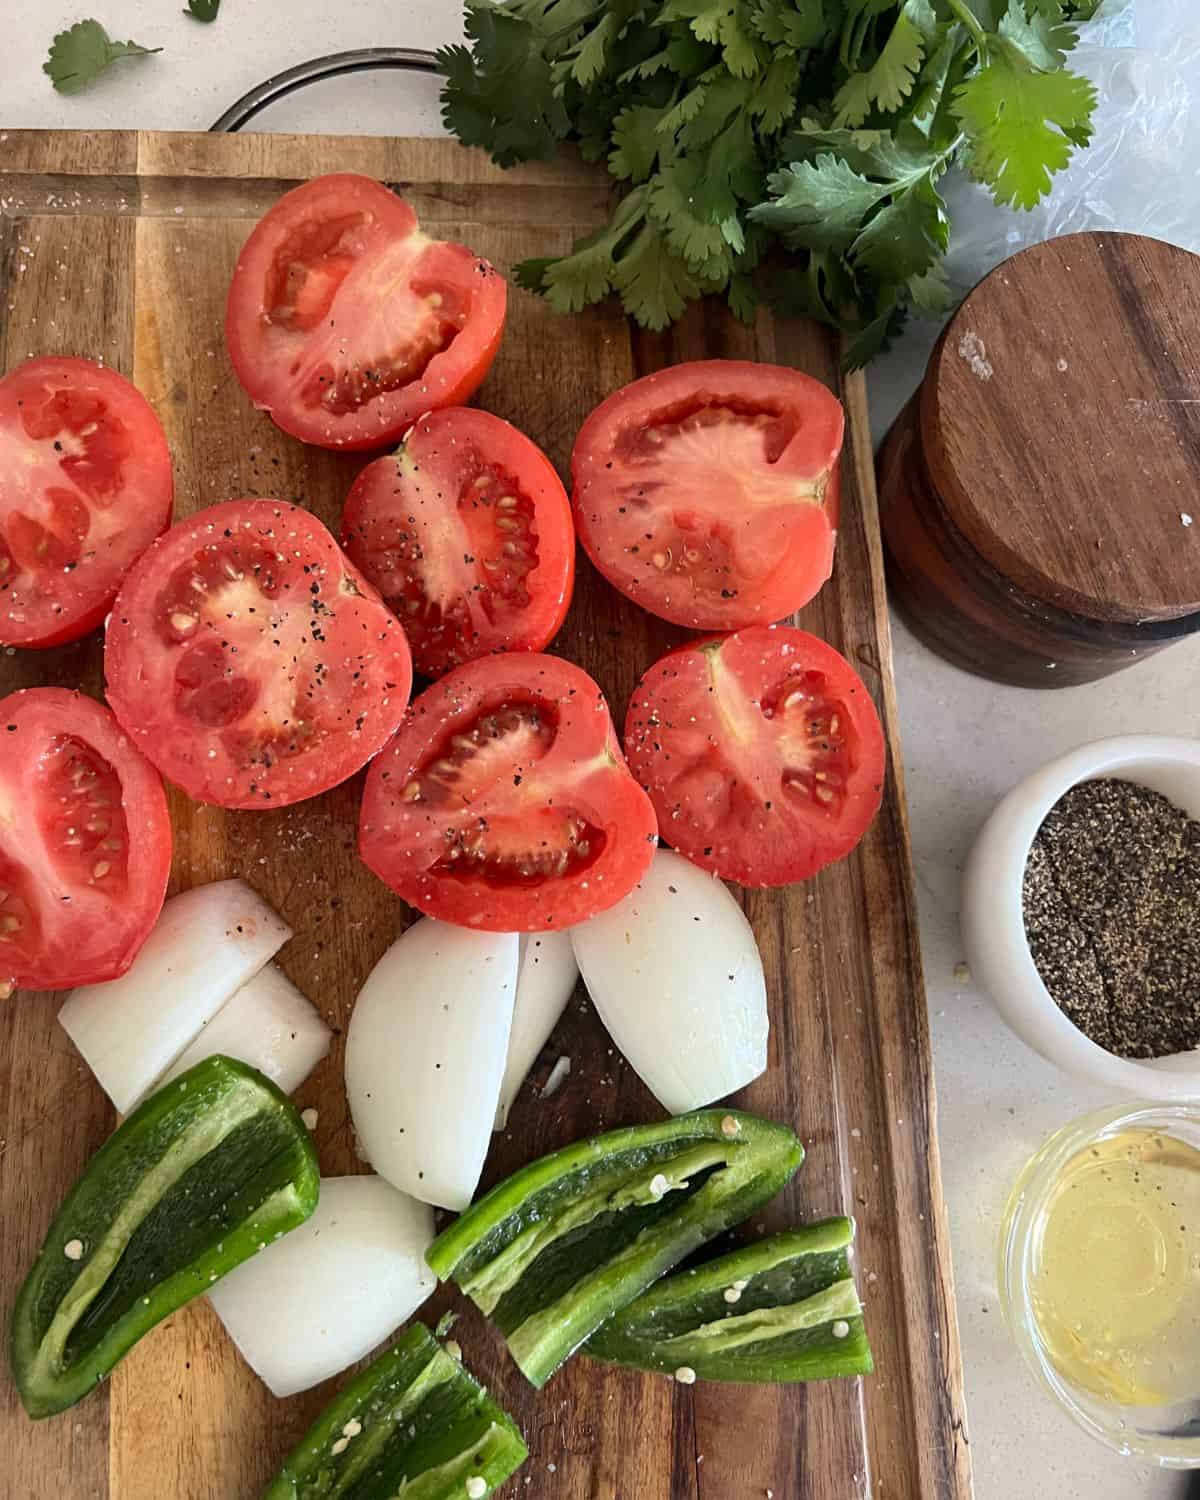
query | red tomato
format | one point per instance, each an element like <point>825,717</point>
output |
<point>762,753</point>
<point>85,842</point>
<point>504,801</point>
<point>466,532</point>
<point>346,322</point>
<point>708,493</point>
<point>85,487</point>
<point>251,661</point>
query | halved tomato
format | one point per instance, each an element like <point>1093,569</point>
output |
<point>761,751</point>
<point>85,487</point>
<point>708,493</point>
<point>251,661</point>
<point>85,842</point>
<point>346,322</point>
<point>504,801</point>
<point>466,531</point>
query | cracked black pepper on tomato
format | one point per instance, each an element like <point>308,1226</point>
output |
<point>569,1240</point>
<point>466,532</point>
<point>708,492</point>
<point>413,1422</point>
<point>504,802</point>
<point>761,751</point>
<point>249,659</point>
<point>782,148</point>
<point>207,1172</point>
<point>346,322</point>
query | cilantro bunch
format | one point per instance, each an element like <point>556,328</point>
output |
<point>786,149</point>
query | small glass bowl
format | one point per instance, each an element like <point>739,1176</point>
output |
<point>1169,1436</point>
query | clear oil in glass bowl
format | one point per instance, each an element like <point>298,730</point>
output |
<point>1100,1276</point>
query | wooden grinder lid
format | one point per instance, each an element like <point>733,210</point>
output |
<point>1060,418</point>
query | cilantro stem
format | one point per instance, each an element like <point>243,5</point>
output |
<point>968,18</point>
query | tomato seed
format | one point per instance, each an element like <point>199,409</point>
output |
<point>183,624</point>
<point>10,923</point>
<point>412,792</point>
<point>660,560</point>
<point>506,502</point>
<point>507,523</point>
<point>100,869</point>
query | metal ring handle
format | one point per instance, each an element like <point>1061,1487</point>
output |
<point>363,59</point>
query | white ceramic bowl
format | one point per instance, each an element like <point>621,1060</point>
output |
<point>993,925</point>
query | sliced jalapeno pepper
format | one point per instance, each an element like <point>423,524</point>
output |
<point>560,1246</point>
<point>784,1309</point>
<point>207,1171</point>
<point>413,1423</point>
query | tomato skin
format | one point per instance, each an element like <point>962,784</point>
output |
<point>85,484</point>
<point>85,850</point>
<point>762,753</point>
<point>346,322</point>
<point>251,661</point>
<point>426,527</point>
<point>709,493</point>
<point>558,791</point>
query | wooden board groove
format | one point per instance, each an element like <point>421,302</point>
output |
<point>156,222</point>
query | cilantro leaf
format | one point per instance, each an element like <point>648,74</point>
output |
<point>636,142</point>
<point>724,23</point>
<point>874,337</point>
<point>79,55</point>
<point>743,297</point>
<point>905,236</point>
<point>1044,40</point>
<point>820,204</point>
<point>931,291</point>
<point>774,100</point>
<point>203,10</point>
<point>655,284</point>
<point>588,274</point>
<point>1022,124</point>
<point>791,23</point>
<point>500,94</point>
<point>890,78</point>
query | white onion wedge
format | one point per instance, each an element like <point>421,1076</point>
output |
<point>425,1054</point>
<point>676,976</point>
<point>204,947</point>
<point>269,1024</point>
<point>327,1293</point>
<point>545,979</point>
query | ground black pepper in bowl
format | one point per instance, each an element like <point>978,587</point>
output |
<point>1112,914</point>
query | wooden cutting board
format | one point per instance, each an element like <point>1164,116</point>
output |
<point>120,247</point>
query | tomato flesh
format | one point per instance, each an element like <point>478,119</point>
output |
<point>504,802</point>
<point>708,492</point>
<point>346,322</point>
<point>85,487</point>
<point>466,531</point>
<point>85,842</point>
<point>251,660</point>
<point>761,751</point>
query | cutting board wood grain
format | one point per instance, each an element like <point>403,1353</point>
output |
<point>120,247</point>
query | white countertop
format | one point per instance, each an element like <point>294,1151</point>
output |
<point>965,741</point>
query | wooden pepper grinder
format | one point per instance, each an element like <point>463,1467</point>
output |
<point>1040,493</point>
